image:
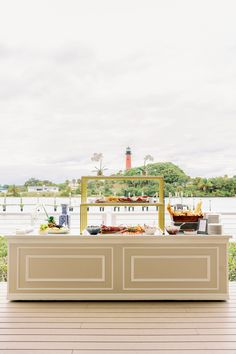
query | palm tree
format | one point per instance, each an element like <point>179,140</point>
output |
<point>146,158</point>
<point>13,190</point>
<point>98,157</point>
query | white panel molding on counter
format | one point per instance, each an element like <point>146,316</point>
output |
<point>117,267</point>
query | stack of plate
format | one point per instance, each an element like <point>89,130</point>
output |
<point>214,224</point>
<point>215,229</point>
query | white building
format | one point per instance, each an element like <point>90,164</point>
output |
<point>53,189</point>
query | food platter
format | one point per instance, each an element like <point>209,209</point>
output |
<point>114,199</point>
<point>62,230</point>
<point>121,230</point>
<point>124,230</point>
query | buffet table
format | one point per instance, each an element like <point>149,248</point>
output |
<point>117,267</point>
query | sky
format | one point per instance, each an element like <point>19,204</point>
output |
<point>85,76</point>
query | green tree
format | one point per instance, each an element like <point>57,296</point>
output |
<point>173,177</point>
<point>13,191</point>
<point>37,182</point>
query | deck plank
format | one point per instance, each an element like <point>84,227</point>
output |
<point>30,351</point>
<point>165,327</point>
<point>118,345</point>
<point>121,338</point>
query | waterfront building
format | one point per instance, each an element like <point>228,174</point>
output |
<point>41,189</point>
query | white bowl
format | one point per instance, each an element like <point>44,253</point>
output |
<point>150,230</point>
<point>172,230</point>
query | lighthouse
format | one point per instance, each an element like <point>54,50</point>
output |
<point>128,158</point>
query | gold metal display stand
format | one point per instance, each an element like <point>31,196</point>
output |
<point>84,204</point>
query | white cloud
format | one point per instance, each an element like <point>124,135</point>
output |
<point>83,76</point>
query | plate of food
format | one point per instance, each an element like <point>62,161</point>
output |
<point>124,230</point>
<point>111,229</point>
<point>115,199</point>
<point>133,230</point>
<point>57,230</point>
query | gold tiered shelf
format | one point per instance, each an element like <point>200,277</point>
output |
<point>84,204</point>
<point>121,204</point>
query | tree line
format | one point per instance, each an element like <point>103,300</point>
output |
<point>176,182</point>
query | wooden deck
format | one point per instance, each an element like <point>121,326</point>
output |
<point>117,327</point>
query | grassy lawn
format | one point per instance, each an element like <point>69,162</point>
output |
<point>3,260</point>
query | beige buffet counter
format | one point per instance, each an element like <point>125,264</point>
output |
<point>72,267</point>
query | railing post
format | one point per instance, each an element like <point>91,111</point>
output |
<point>4,207</point>
<point>83,209</point>
<point>21,204</point>
<point>161,211</point>
<point>55,204</point>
